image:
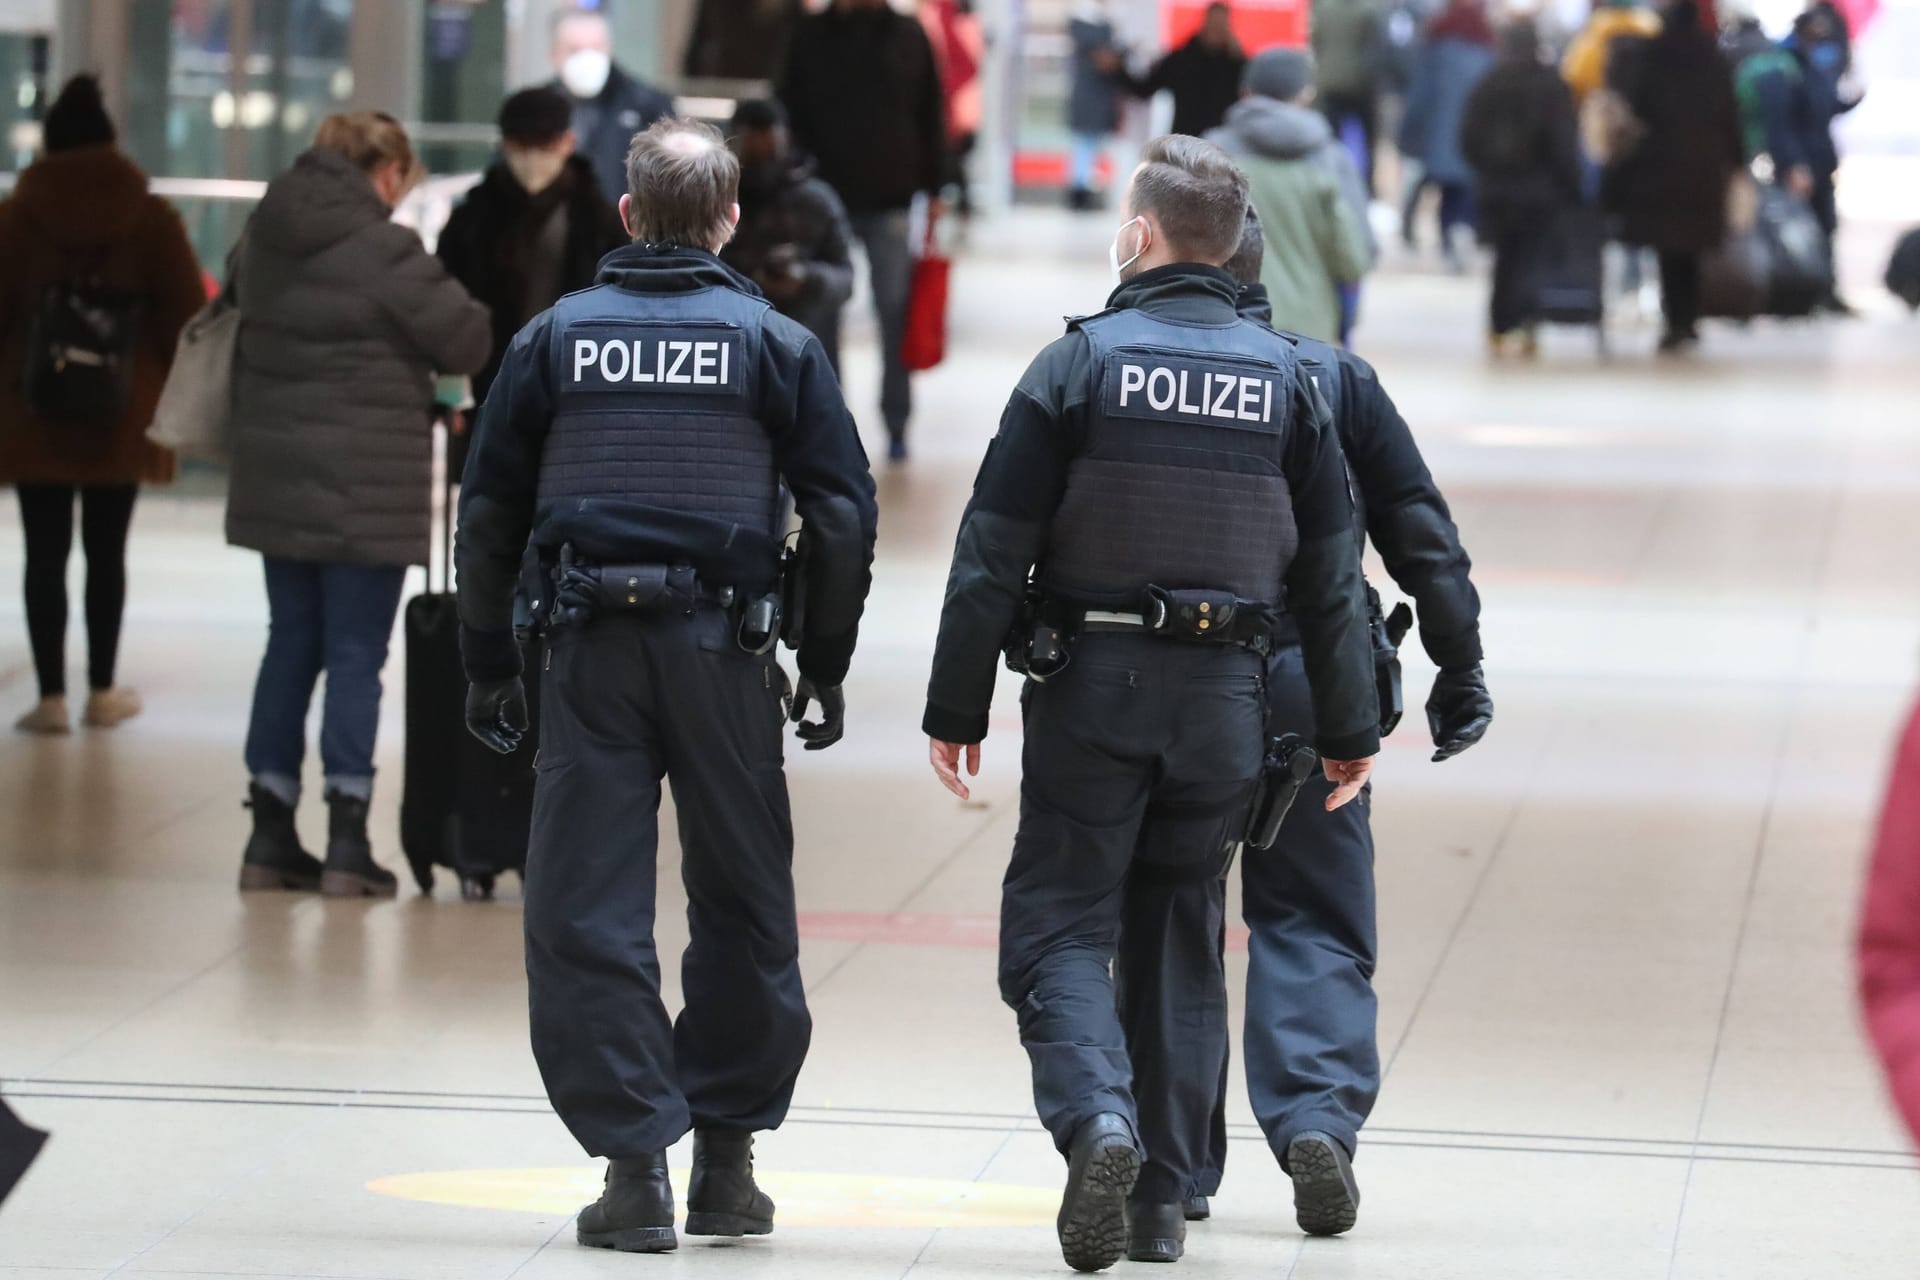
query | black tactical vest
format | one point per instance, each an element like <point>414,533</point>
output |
<point>1180,484</point>
<point>656,406</point>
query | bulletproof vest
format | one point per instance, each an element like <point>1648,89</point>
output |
<point>1180,483</point>
<point>656,405</point>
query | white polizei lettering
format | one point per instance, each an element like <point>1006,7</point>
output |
<point>1132,378</point>
<point>606,361</point>
<point>585,352</point>
<point>1246,411</point>
<point>706,359</point>
<point>640,373</point>
<point>1182,404</point>
<point>726,349</point>
<point>680,351</point>
<point>1154,397</point>
<point>1266,412</point>
<point>1220,408</point>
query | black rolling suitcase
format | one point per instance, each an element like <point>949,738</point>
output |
<point>1903,270</point>
<point>1572,286</point>
<point>463,807</point>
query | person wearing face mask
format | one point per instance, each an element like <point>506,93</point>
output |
<point>610,103</point>
<point>1163,478</point>
<point>793,238</point>
<point>345,319</point>
<point>537,225</point>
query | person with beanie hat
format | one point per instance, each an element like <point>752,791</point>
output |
<point>1303,184</point>
<point>82,215</point>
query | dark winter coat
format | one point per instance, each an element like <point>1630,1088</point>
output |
<point>344,320</point>
<point>86,213</point>
<point>1671,190</point>
<point>798,210</point>
<point>1204,82</point>
<point>604,126</point>
<point>495,230</point>
<point>863,97</point>
<point>1521,136</point>
<point>1093,100</point>
<point>741,39</point>
<point>1776,108</point>
<point>1444,74</point>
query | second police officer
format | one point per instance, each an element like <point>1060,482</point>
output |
<point>1162,474</point>
<point>1312,1063</point>
<point>637,437</point>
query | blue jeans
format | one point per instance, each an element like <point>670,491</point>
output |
<point>336,618</point>
<point>1083,160</point>
<point>890,272</point>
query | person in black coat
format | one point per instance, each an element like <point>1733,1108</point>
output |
<point>1203,75</point>
<point>1522,137</point>
<point>537,225</point>
<point>793,239</point>
<point>610,104</point>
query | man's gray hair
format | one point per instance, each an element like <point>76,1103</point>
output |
<point>684,182</point>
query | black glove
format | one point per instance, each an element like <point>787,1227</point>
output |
<point>1458,711</point>
<point>497,713</point>
<point>832,725</point>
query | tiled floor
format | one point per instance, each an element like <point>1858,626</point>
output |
<point>1615,992</point>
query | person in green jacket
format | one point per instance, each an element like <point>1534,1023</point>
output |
<point>1306,190</point>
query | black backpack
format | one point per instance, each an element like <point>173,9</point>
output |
<point>80,351</point>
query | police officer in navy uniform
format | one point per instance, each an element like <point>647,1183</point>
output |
<point>1161,475</point>
<point>1312,1064</point>
<point>637,440</point>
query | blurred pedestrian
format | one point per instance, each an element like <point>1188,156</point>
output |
<point>1455,51</point>
<point>1889,945</point>
<point>1822,45</point>
<point>863,98</point>
<point>792,239</point>
<point>960,51</point>
<point>81,220</point>
<point>1203,74</point>
<point>1777,117</point>
<point>1521,136</point>
<point>1670,188</point>
<point>1093,100</point>
<point>1584,65</point>
<point>1304,187</point>
<point>537,225</point>
<point>1350,53</point>
<point>610,103</point>
<point>346,318</point>
<point>741,39</point>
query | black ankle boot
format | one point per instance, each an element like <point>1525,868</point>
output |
<point>1156,1232</point>
<point>351,871</point>
<point>274,858</point>
<point>635,1212</point>
<point>722,1198</point>
<point>1102,1166</point>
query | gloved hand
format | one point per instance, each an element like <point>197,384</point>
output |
<point>497,713</point>
<point>831,726</point>
<point>1458,711</point>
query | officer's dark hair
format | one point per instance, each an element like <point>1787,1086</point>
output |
<point>1196,193</point>
<point>684,181</point>
<point>1244,266</point>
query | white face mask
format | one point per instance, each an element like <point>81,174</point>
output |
<point>585,73</point>
<point>1113,250</point>
<point>534,168</point>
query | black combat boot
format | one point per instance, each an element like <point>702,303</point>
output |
<point>1198,1208</point>
<point>1326,1199</point>
<point>274,858</point>
<point>1156,1232</point>
<point>351,871</point>
<point>722,1197</point>
<point>1102,1167</point>
<point>635,1213</point>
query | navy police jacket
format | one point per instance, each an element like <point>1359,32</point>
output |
<point>655,418</point>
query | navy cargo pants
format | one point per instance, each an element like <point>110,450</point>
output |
<point>1138,760</point>
<point>1312,1060</point>
<point>626,701</point>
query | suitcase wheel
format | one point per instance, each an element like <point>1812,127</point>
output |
<point>476,888</point>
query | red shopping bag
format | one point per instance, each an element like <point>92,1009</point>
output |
<point>924,344</point>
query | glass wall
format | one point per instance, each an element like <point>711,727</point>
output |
<point>24,95</point>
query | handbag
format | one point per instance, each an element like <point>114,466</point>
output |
<point>194,416</point>
<point>924,343</point>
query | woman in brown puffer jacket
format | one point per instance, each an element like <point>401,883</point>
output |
<point>82,214</point>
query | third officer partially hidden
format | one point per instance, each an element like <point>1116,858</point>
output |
<point>1161,479</point>
<point>637,438</point>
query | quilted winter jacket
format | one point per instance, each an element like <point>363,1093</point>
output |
<point>344,320</point>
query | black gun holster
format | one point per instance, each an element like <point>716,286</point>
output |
<point>1386,632</point>
<point>1289,763</point>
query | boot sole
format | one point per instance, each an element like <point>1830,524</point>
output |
<point>730,1225</point>
<point>1158,1249</point>
<point>270,880</point>
<point>1093,1214</point>
<point>631,1240</point>
<point>345,884</point>
<point>1326,1199</point>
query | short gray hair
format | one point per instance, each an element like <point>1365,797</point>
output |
<point>684,182</point>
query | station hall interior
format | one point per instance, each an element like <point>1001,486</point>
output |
<point>1620,1026</point>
